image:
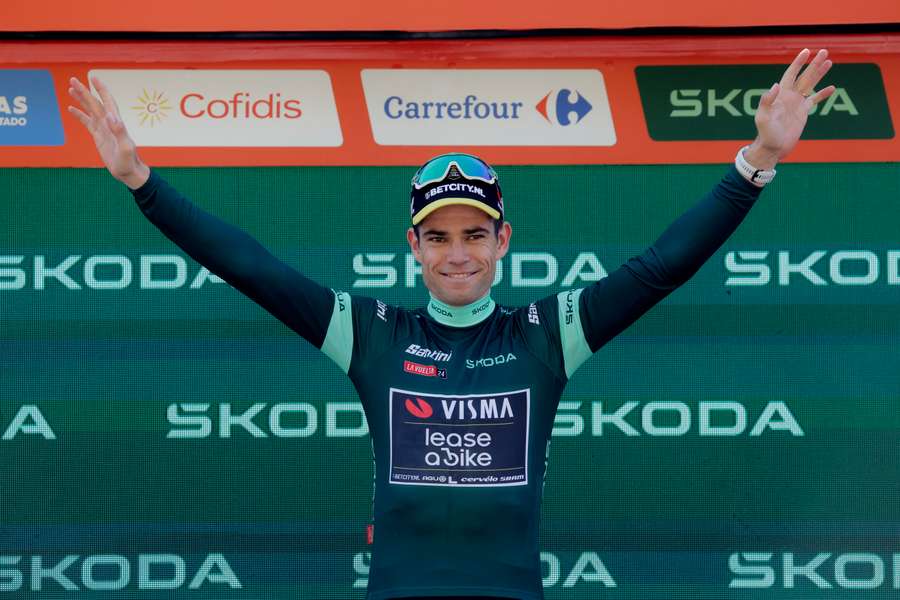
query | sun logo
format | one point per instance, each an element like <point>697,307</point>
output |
<point>153,107</point>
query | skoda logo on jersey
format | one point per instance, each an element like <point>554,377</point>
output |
<point>557,107</point>
<point>491,361</point>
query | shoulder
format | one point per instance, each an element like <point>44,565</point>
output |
<point>531,318</point>
<point>374,313</point>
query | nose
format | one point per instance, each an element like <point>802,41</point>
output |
<point>458,253</point>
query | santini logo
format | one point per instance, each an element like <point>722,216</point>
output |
<point>417,350</point>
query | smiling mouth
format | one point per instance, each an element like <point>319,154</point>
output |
<point>459,276</point>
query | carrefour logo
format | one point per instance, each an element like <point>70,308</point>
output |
<point>498,107</point>
<point>565,102</point>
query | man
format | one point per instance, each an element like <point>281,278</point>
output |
<point>460,396</point>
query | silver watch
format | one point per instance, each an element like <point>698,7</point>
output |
<point>757,177</point>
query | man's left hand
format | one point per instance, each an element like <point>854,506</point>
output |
<point>783,110</point>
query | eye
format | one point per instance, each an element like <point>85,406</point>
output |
<point>476,236</point>
<point>436,239</point>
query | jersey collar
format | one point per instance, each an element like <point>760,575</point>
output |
<point>461,316</point>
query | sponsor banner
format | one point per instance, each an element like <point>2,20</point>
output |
<point>479,440</point>
<point>718,102</point>
<point>540,101</point>
<point>247,108</point>
<point>29,113</point>
<point>488,107</point>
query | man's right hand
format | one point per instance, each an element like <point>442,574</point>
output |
<point>102,119</point>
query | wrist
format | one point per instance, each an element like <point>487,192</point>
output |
<point>750,171</point>
<point>759,157</point>
<point>136,178</point>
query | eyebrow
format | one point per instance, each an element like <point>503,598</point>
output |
<point>465,231</point>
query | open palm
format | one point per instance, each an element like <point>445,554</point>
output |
<point>783,110</point>
<point>102,119</point>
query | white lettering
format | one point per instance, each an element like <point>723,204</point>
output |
<point>37,426</point>
<point>551,269</point>
<point>149,261</point>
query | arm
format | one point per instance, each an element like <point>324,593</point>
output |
<point>303,305</point>
<point>615,302</point>
<point>232,254</point>
<point>612,304</point>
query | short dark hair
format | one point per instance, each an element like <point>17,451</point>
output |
<point>498,223</point>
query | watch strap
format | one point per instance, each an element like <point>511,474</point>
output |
<point>758,177</point>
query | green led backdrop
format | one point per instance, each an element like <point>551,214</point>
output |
<point>163,437</point>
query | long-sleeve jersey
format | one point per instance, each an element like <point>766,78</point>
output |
<point>460,401</point>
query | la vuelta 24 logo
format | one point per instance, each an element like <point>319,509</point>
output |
<point>472,440</point>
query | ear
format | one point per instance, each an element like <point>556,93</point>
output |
<point>414,244</point>
<point>503,237</point>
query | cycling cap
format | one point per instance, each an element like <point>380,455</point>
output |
<point>455,178</point>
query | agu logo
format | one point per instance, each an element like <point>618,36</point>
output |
<point>562,105</point>
<point>152,107</point>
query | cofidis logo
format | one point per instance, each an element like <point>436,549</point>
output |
<point>29,112</point>
<point>226,108</point>
<point>497,107</point>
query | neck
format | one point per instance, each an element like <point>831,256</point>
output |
<point>461,316</point>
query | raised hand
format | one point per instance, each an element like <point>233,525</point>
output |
<point>101,117</point>
<point>783,110</point>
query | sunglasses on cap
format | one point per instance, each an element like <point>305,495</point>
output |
<point>441,167</point>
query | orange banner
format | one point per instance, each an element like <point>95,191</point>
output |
<point>543,101</point>
<point>408,15</point>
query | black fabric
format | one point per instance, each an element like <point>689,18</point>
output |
<point>456,186</point>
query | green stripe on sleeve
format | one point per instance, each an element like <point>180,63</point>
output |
<point>574,345</point>
<point>338,344</point>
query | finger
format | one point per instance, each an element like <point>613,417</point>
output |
<point>75,91</point>
<point>790,75</point>
<point>812,73</point>
<point>822,94</point>
<point>768,98</point>
<point>85,120</point>
<point>88,101</point>
<point>117,127</point>
<point>817,77</point>
<point>108,101</point>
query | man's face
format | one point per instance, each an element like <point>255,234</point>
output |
<point>458,251</point>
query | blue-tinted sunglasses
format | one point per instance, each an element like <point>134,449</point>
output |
<point>439,167</point>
